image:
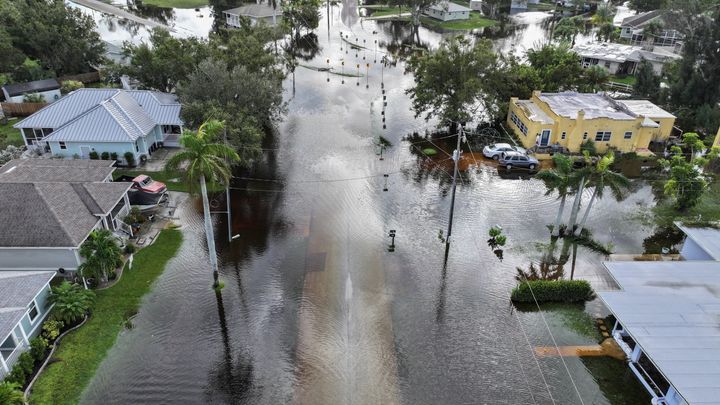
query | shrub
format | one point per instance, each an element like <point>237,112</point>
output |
<point>552,291</point>
<point>114,156</point>
<point>9,153</point>
<point>10,393</point>
<point>94,155</point>
<point>129,158</point>
<point>105,156</point>
<point>38,348</point>
<point>71,301</point>
<point>33,98</point>
<point>51,329</point>
<point>70,85</point>
<point>135,217</point>
<point>130,249</point>
<point>588,146</point>
<point>16,376</point>
<point>22,369</point>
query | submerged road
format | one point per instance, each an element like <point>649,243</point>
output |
<point>120,13</point>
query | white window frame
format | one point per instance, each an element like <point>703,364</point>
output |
<point>33,304</point>
<point>63,145</point>
<point>563,135</point>
<point>626,135</point>
<point>603,135</point>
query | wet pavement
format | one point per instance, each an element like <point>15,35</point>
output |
<point>316,310</point>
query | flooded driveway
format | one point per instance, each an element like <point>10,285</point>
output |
<point>316,310</point>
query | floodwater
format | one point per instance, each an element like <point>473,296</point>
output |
<point>317,310</point>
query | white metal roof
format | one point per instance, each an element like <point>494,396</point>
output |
<point>449,7</point>
<point>645,108</point>
<point>595,105</point>
<point>534,112</point>
<point>672,310</point>
<point>707,238</point>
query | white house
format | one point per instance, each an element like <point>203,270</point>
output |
<point>49,89</point>
<point>633,29</point>
<point>48,207</point>
<point>622,59</point>
<point>476,5</point>
<point>668,325</point>
<point>105,120</point>
<point>447,11</point>
<point>256,13</point>
<point>700,243</point>
<point>23,308</point>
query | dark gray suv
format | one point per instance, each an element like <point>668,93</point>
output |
<point>511,160</point>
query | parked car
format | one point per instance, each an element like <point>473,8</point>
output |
<point>144,190</point>
<point>518,160</point>
<point>496,150</point>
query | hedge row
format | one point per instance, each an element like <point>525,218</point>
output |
<point>552,291</point>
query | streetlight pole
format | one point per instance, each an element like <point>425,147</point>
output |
<point>456,158</point>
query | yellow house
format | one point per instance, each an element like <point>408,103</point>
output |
<point>716,143</point>
<point>568,119</point>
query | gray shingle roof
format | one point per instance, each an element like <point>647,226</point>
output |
<point>53,214</point>
<point>17,290</point>
<point>55,170</point>
<point>449,7</point>
<point>254,10</point>
<point>161,108</point>
<point>640,19</point>
<point>36,86</point>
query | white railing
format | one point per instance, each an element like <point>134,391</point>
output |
<point>12,358</point>
<point>123,227</point>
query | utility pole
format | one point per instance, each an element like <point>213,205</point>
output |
<point>227,197</point>
<point>456,158</point>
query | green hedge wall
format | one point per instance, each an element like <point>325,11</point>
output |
<point>553,291</point>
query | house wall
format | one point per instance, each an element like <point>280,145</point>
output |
<point>50,96</point>
<point>38,259</point>
<point>447,16</point>
<point>73,148</point>
<point>716,142</point>
<point>575,129</point>
<point>32,328</point>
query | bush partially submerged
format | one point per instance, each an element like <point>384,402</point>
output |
<point>552,291</point>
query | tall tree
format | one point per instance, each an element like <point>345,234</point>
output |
<point>686,183</point>
<point>603,15</point>
<point>416,8</point>
<point>558,180</point>
<point>102,255</point>
<point>647,5</point>
<point>450,81</point>
<point>62,38</point>
<point>648,83</point>
<point>600,177</point>
<point>568,29</point>
<point>165,61</point>
<point>301,15</point>
<point>205,160</point>
<point>558,67</point>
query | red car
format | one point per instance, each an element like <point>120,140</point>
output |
<point>147,184</point>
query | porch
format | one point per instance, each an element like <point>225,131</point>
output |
<point>10,350</point>
<point>171,136</point>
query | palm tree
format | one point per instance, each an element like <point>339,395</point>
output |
<point>101,255</point>
<point>601,177</point>
<point>603,15</point>
<point>579,181</point>
<point>206,161</point>
<point>568,29</point>
<point>558,179</point>
<point>71,301</point>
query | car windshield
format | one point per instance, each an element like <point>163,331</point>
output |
<point>146,182</point>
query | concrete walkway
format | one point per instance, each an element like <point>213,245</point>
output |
<point>120,13</point>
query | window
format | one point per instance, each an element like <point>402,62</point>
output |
<point>137,148</point>
<point>562,136</point>
<point>585,136</point>
<point>607,65</point>
<point>628,135</point>
<point>521,126</point>
<point>603,136</point>
<point>38,133</point>
<point>33,312</point>
<point>62,145</point>
<point>47,131</point>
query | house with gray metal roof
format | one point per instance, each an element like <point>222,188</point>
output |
<point>44,218</point>
<point>668,325</point>
<point>701,243</point>
<point>447,11</point>
<point>49,89</point>
<point>105,120</point>
<point>24,305</point>
<point>622,59</point>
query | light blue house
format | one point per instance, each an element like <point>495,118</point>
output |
<point>24,306</point>
<point>105,120</point>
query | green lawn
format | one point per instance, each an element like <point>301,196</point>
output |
<point>80,352</point>
<point>629,80</point>
<point>476,20</point>
<point>383,11</point>
<point>10,135</point>
<point>177,3</point>
<point>173,180</point>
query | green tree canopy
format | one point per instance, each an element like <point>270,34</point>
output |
<point>102,254</point>
<point>647,5</point>
<point>71,301</point>
<point>648,83</point>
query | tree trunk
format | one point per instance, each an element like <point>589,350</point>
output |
<point>587,212</point>
<point>576,206</point>
<point>453,127</point>
<point>416,16</point>
<point>556,228</point>
<point>212,254</point>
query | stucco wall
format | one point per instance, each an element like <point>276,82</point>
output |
<point>41,259</point>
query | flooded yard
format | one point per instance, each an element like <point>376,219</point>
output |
<point>317,310</point>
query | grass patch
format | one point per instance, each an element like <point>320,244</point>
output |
<point>10,135</point>
<point>629,80</point>
<point>384,11</point>
<point>81,351</point>
<point>706,211</point>
<point>177,3</point>
<point>476,20</point>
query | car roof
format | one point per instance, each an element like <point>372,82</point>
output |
<point>514,154</point>
<point>502,145</point>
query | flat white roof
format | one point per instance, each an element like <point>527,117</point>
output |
<point>534,112</point>
<point>672,310</point>
<point>707,238</point>
<point>645,108</point>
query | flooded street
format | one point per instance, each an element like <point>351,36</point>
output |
<point>316,310</point>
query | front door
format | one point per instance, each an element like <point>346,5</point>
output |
<point>84,152</point>
<point>545,137</point>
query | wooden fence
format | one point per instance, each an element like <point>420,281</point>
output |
<point>20,109</point>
